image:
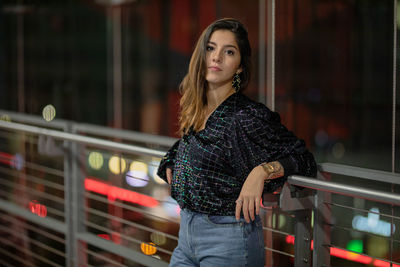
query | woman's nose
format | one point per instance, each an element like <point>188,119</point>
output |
<point>216,57</point>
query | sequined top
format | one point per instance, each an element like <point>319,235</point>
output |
<point>210,166</point>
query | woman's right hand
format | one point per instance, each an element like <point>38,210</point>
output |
<point>169,175</point>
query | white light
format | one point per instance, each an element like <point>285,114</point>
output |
<point>373,218</point>
<point>17,162</point>
<point>153,167</point>
<point>372,224</point>
<point>137,178</point>
<point>171,207</point>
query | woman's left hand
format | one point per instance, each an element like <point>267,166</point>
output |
<point>249,199</point>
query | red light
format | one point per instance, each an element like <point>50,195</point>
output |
<point>351,256</point>
<point>381,263</point>
<point>104,236</point>
<point>290,239</point>
<point>344,254</point>
<point>113,193</point>
<point>5,158</point>
<point>115,237</point>
<point>37,208</point>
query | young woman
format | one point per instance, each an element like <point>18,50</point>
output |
<point>232,149</point>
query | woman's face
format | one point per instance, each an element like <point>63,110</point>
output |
<point>222,58</point>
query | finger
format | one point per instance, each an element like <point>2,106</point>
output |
<point>169,175</point>
<point>258,205</point>
<point>246,210</point>
<point>251,209</point>
<point>239,204</point>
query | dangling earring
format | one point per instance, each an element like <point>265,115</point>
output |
<point>236,82</point>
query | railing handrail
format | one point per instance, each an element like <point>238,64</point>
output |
<point>80,139</point>
<point>295,180</point>
<point>34,119</point>
<point>364,173</point>
<point>125,134</point>
<point>347,170</point>
<point>91,128</point>
<point>344,189</point>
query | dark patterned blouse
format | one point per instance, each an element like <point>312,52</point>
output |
<point>210,166</point>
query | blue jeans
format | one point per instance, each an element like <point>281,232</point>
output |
<point>208,240</point>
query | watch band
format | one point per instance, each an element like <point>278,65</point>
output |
<point>268,168</point>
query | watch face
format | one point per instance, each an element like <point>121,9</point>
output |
<point>270,167</point>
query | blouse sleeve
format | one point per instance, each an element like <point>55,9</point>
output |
<point>168,161</point>
<point>262,138</point>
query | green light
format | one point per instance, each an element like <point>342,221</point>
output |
<point>355,245</point>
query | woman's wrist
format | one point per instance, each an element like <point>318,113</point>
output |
<point>272,170</point>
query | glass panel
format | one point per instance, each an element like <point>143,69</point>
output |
<point>106,63</point>
<point>334,88</point>
<point>334,72</point>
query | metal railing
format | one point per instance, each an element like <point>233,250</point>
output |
<point>59,214</point>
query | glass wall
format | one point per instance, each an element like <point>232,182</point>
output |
<point>120,65</point>
<point>334,78</point>
<point>334,88</point>
<point>111,64</point>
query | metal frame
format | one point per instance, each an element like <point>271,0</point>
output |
<point>271,56</point>
<point>322,227</point>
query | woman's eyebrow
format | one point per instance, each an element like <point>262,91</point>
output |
<point>228,45</point>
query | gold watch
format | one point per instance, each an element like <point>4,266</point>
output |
<point>268,168</point>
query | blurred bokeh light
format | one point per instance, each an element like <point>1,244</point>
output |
<point>49,112</point>
<point>117,164</point>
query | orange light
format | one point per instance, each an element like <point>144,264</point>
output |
<point>113,193</point>
<point>148,248</point>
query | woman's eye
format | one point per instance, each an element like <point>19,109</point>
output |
<point>230,52</point>
<point>209,48</point>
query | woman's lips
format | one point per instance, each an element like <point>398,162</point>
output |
<point>214,68</point>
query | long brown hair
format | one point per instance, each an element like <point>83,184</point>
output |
<point>194,85</point>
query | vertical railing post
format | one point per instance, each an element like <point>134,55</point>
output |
<point>69,244</point>
<point>299,203</point>
<point>75,201</point>
<point>322,228</point>
<point>302,242</point>
<point>270,94</point>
